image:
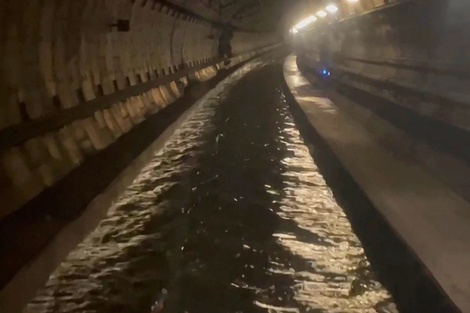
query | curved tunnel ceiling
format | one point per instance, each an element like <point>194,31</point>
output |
<point>261,15</point>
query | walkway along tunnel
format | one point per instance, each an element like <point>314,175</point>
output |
<point>130,135</point>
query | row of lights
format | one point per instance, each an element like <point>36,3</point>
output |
<point>331,8</point>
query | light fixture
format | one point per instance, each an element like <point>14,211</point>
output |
<point>324,72</point>
<point>294,30</point>
<point>321,13</point>
<point>331,8</point>
<point>305,22</point>
<point>352,1</point>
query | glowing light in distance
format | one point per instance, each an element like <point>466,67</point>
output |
<point>305,22</point>
<point>325,72</point>
<point>352,1</point>
<point>294,30</point>
<point>321,13</point>
<point>332,8</point>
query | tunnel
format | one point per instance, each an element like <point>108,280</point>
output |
<point>235,156</point>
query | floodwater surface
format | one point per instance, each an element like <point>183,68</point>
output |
<point>233,215</point>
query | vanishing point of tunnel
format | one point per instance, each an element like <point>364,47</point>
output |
<point>235,156</point>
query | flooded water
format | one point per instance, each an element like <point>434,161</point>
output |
<point>232,215</point>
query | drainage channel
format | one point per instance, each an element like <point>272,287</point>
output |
<point>233,215</point>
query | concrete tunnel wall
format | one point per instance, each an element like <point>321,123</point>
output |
<point>59,55</point>
<point>72,86</point>
<point>403,71</point>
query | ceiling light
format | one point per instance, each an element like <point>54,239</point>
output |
<point>331,8</point>
<point>321,13</point>
<point>305,22</point>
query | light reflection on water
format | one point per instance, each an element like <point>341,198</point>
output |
<point>339,279</point>
<point>232,216</point>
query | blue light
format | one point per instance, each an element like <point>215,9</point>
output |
<point>325,72</point>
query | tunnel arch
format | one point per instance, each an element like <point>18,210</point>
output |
<point>78,77</point>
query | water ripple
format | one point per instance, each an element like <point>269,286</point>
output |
<point>232,215</point>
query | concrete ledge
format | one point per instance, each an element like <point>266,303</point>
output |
<point>429,217</point>
<point>437,147</point>
<point>452,169</point>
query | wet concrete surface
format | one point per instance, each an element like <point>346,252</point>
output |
<point>233,215</point>
<point>412,285</point>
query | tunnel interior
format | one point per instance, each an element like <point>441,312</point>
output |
<point>155,157</point>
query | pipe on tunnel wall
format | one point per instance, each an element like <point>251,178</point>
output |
<point>59,55</point>
<point>404,73</point>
